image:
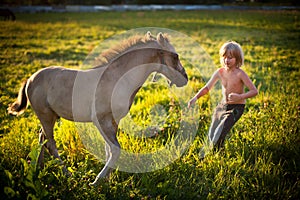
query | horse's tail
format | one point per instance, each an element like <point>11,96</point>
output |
<point>20,104</point>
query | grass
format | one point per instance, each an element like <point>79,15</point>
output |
<point>260,160</point>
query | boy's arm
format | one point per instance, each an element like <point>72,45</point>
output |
<point>204,90</point>
<point>249,84</point>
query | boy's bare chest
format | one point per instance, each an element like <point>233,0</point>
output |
<point>230,80</point>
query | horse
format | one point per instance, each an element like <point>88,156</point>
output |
<point>102,95</point>
<point>7,14</point>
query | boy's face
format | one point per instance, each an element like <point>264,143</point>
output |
<point>229,60</point>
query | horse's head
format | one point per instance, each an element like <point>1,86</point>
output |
<point>171,65</point>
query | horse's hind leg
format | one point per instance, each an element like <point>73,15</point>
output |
<point>48,120</point>
<point>41,141</point>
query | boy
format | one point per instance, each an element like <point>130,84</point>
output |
<point>233,80</point>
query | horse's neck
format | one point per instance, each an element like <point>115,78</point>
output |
<point>123,78</point>
<point>141,62</point>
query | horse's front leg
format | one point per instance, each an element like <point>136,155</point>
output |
<point>108,129</point>
<point>107,156</point>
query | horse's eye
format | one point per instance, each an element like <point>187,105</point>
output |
<point>176,56</point>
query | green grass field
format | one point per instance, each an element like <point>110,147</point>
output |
<point>260,159</point>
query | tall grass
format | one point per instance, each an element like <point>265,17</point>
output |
<point>260,159</point>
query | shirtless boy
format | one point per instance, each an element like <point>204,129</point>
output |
<point>233,80</point>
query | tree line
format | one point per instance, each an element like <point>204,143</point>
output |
<point>143,2</point>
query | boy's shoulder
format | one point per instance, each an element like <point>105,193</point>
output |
<point>241,74</point>
<point>239,71</point>
<point>220,70</point>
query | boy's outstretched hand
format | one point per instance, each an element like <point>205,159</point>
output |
<point>192,102</point>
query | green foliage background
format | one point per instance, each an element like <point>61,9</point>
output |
<point>259,161</point>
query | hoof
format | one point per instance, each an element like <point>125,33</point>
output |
<point>97,182</point>
<point>66,172</point>
<point>94,184</point>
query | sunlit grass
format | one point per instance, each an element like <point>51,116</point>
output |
<point>259,159</point>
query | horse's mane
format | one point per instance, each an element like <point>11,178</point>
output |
<point>128,44</point>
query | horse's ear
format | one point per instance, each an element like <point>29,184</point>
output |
<point>148,35</point>
<point>160,38</point>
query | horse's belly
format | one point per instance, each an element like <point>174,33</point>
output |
<point>74,113</point>
<point>67,101</point>
<point>82,102</point>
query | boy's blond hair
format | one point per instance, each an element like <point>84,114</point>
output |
<point>235,50</point>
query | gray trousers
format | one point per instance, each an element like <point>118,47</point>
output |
<point>223,119</point>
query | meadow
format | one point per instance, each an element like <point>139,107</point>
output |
<point>260,160</point>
